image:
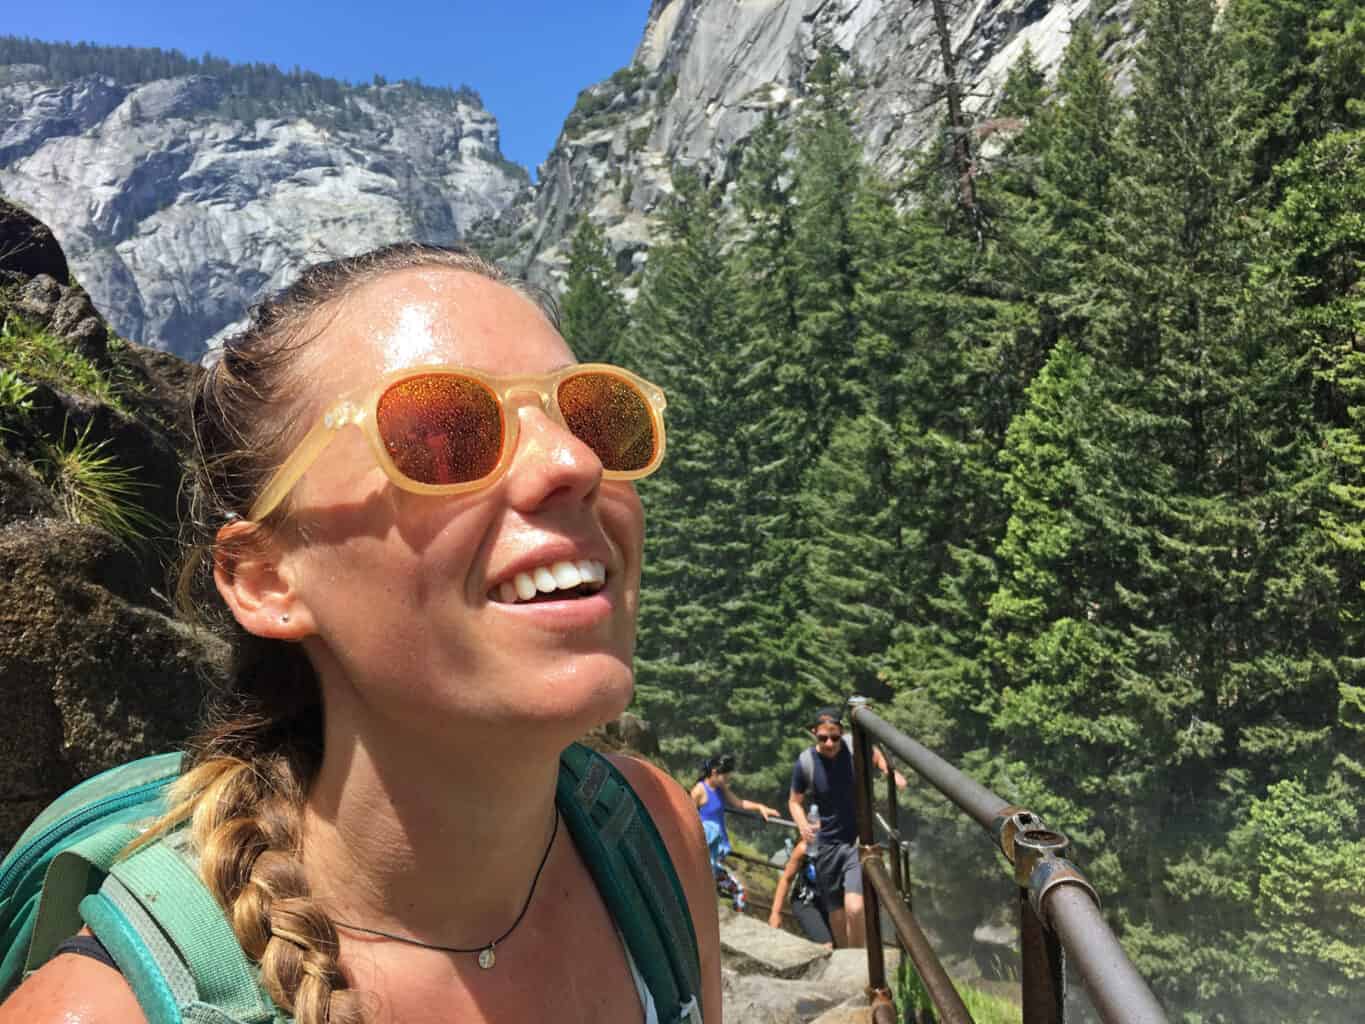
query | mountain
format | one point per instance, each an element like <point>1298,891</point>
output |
<point>707,71</point>
<point>181,190</point>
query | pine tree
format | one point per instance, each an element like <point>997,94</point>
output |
<point>593,311</point>
<point>772,400</point>
<point>1303,65</point>
<point>686,336</point>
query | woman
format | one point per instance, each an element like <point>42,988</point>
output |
<point>427,610</point>
<point>712,794</point>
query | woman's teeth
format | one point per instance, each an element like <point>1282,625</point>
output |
<point>588,576</point>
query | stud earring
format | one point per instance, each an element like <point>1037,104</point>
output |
<point>284,617</point>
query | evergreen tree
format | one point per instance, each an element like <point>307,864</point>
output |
<point>1303,66</point>
<point>832,386</point>
<point>593,311</point>
<point>1025,87</point>
<point>685,339</point>
<point>771,402</point>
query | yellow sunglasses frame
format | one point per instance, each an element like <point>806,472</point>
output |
<point>350,412</point>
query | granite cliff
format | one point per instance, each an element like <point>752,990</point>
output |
<point>178,204</point>
<point>707,71</point>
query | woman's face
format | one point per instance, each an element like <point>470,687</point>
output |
<point>401,603</point>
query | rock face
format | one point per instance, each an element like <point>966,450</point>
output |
<point>177,216</point>
<point>707,71</point>
<point>93,670</point>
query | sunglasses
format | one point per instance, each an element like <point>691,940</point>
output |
<point>446,429</point>
<point>828,739</point>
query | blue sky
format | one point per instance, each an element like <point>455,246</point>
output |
<point>527,59</point>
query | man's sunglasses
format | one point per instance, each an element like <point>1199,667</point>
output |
<point>819,738</point>
<point>446,429</point>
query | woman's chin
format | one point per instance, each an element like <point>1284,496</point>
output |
<point>574,702</point>
<point>601,704</point>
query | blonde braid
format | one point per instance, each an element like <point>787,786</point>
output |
<point>244,824</point>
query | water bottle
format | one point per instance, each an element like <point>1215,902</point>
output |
<point>813,816</point>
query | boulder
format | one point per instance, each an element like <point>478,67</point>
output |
<point>67,312</point>
<point>773,977</point>
<point>751,946</point>
<point>855,1011</point>
<point>22,494</point>
<point>27,245</point>
<point>845,970</point>
<point>759,999</point>
<point>75,320</point>
<point>39,297</point>
<point>632,733</point>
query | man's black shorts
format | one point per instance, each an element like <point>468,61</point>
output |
<point>837,871</point>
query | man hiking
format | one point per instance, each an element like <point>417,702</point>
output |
<point>824,774</point>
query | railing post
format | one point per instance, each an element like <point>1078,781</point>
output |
<point>862,785</point>
<point>899,874</point>
<point>1040,950</point>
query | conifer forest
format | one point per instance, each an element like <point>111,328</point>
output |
<point>1054,446</point>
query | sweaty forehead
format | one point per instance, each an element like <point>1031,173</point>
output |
<point>432,315</point>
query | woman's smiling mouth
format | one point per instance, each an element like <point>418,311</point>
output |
<point>556,581</point>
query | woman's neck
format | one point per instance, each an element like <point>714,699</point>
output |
<point>440,845</point>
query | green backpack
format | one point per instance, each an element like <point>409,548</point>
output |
<point>173,942</point>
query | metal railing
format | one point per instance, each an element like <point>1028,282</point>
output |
<point>1059,912</point>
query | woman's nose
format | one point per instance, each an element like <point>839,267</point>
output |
<point>549,461</point>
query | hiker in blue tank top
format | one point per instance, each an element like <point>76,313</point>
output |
<point>418,534</point>
<point>823,774</point>
<point>712,794</point>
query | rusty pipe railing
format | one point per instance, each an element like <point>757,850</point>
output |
<point>1058,908</point>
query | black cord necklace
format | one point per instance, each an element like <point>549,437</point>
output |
<point>487,958</point>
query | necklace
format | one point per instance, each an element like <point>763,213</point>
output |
<point>487,958</point>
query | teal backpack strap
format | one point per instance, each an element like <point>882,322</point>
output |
<point>73,873</point>
<point>159,998</point>
<point>634,873</point>
<point>167,934</point>
<point>161,883</point>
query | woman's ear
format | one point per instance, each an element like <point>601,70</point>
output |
<point>250,575</point>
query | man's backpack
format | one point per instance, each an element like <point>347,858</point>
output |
<point>173,942</point>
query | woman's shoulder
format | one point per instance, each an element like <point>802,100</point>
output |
<point>659,791</point>
<point>670,805</point>
<point>72,989</point>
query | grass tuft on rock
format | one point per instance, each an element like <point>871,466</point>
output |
<point>40,355</point>
<point>92,488</point>
<point>16,400</point>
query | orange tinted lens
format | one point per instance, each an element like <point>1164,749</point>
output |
<point>441,428</point>
<point>611,416</point>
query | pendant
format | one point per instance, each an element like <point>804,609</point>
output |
<point>486,957</point>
